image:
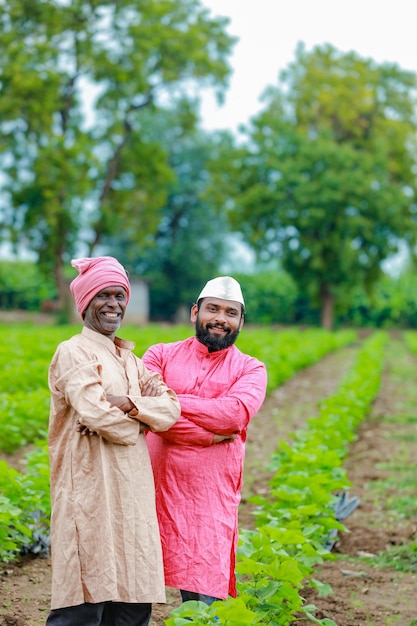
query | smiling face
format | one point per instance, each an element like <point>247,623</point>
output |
<point>217,322</point>
<point>106,311</point>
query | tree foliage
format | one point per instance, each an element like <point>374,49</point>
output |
<point>326,177</point>
<point>76,174</point>
<point>22,286</point>
<point>270,297</point>
<point>189,243</point>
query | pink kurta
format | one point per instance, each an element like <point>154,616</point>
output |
<point>105,536</point>
<point>198,484</point>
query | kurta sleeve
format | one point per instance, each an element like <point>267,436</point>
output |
<point>78,380</point>
<point>231,412</point>
<point>186,433</point>
<point>153,360</point>
<point>158,412</point>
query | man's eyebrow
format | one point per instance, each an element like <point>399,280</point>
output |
<point>226,307</point>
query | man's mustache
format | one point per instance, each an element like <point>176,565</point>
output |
<point>224,327</point>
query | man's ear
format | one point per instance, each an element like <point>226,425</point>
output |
<point>194,313</point>
<point>242,321</point>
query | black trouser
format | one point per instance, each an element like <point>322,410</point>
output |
<point>192,595</point>
<point>102,614</point>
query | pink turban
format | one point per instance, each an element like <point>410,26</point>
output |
<point>95,275</point>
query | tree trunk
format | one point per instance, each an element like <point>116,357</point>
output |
<point>65,300</point>
<point>327,307</point>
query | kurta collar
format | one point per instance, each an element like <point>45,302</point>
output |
<point>106,341</point>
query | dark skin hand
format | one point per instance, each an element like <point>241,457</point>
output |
<point>223,438</point>
<point>122,402</point>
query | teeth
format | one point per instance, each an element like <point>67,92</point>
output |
<point>110,314</point>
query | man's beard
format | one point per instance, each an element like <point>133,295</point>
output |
<point>215,342</point>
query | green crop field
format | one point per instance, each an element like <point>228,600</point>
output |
<point>293,518</point>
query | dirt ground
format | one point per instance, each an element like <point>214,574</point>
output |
<point>362,595</point>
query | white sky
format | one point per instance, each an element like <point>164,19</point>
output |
<point>269,31</point>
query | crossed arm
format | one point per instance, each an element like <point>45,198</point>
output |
<point>151,389</point>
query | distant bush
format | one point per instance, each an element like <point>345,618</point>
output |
<point>23,287</point>
<point>270,297</point>
<point>393,304</point>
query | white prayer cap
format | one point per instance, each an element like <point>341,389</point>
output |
<point>224,287</point>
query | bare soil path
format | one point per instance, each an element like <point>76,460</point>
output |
<point>378,464</point>
<point>364,597</point>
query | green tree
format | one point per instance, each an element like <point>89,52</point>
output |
<point>325,180</point>
<point>270,296</point>
<point>190,241</point>
<point>392,304</point>
<point>73,175</point>
<point>22,286</point>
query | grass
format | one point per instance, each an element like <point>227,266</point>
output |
<point>401,558</point>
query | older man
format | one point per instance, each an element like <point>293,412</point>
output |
<point>198,462</point>
<point>106,552</point>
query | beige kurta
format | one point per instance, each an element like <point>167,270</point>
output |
<point>104,530</point>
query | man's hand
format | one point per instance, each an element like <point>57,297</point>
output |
<point>122,402</point>
<point>223,438</point>
<point>151,388</point>
<point>83,430</point>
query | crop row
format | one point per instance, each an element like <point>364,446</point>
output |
<point>295,521</point>
<point>25,354</point>
<point>410,339</point>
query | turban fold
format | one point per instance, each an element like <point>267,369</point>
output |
<point>95,274</point>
